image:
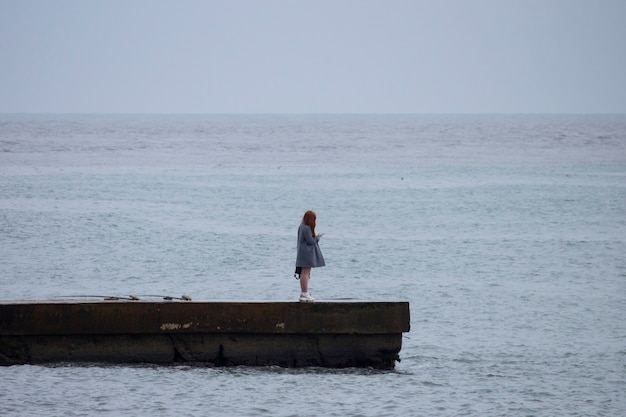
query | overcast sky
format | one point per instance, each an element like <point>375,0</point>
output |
<point>336,56</point>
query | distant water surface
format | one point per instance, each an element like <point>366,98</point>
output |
<point>505,233</point>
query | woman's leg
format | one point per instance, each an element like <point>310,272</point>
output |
<point>304,279</point>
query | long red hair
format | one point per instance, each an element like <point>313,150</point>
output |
<point>309,219</point>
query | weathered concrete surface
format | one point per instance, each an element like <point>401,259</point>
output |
<point>335,334</point>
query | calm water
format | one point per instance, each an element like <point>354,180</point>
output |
<point>506,234</point>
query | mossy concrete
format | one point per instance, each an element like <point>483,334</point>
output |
<point>330,334</point>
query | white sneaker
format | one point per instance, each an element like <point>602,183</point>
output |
<point>306,298</point>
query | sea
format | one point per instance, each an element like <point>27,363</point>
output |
<point>505,233</point>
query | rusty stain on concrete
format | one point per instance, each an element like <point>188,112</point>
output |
<point>175,326</point>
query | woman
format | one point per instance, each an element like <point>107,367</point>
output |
<point>309,254</point>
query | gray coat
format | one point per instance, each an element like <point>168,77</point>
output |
<point>309,253</point>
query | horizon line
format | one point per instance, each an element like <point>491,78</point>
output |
<point>317,113</point>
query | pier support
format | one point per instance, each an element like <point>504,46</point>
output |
<point>328,334</point>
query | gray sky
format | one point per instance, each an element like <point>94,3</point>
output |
<point>280,56</point>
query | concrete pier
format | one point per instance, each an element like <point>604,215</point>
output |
<point>289,334</point>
